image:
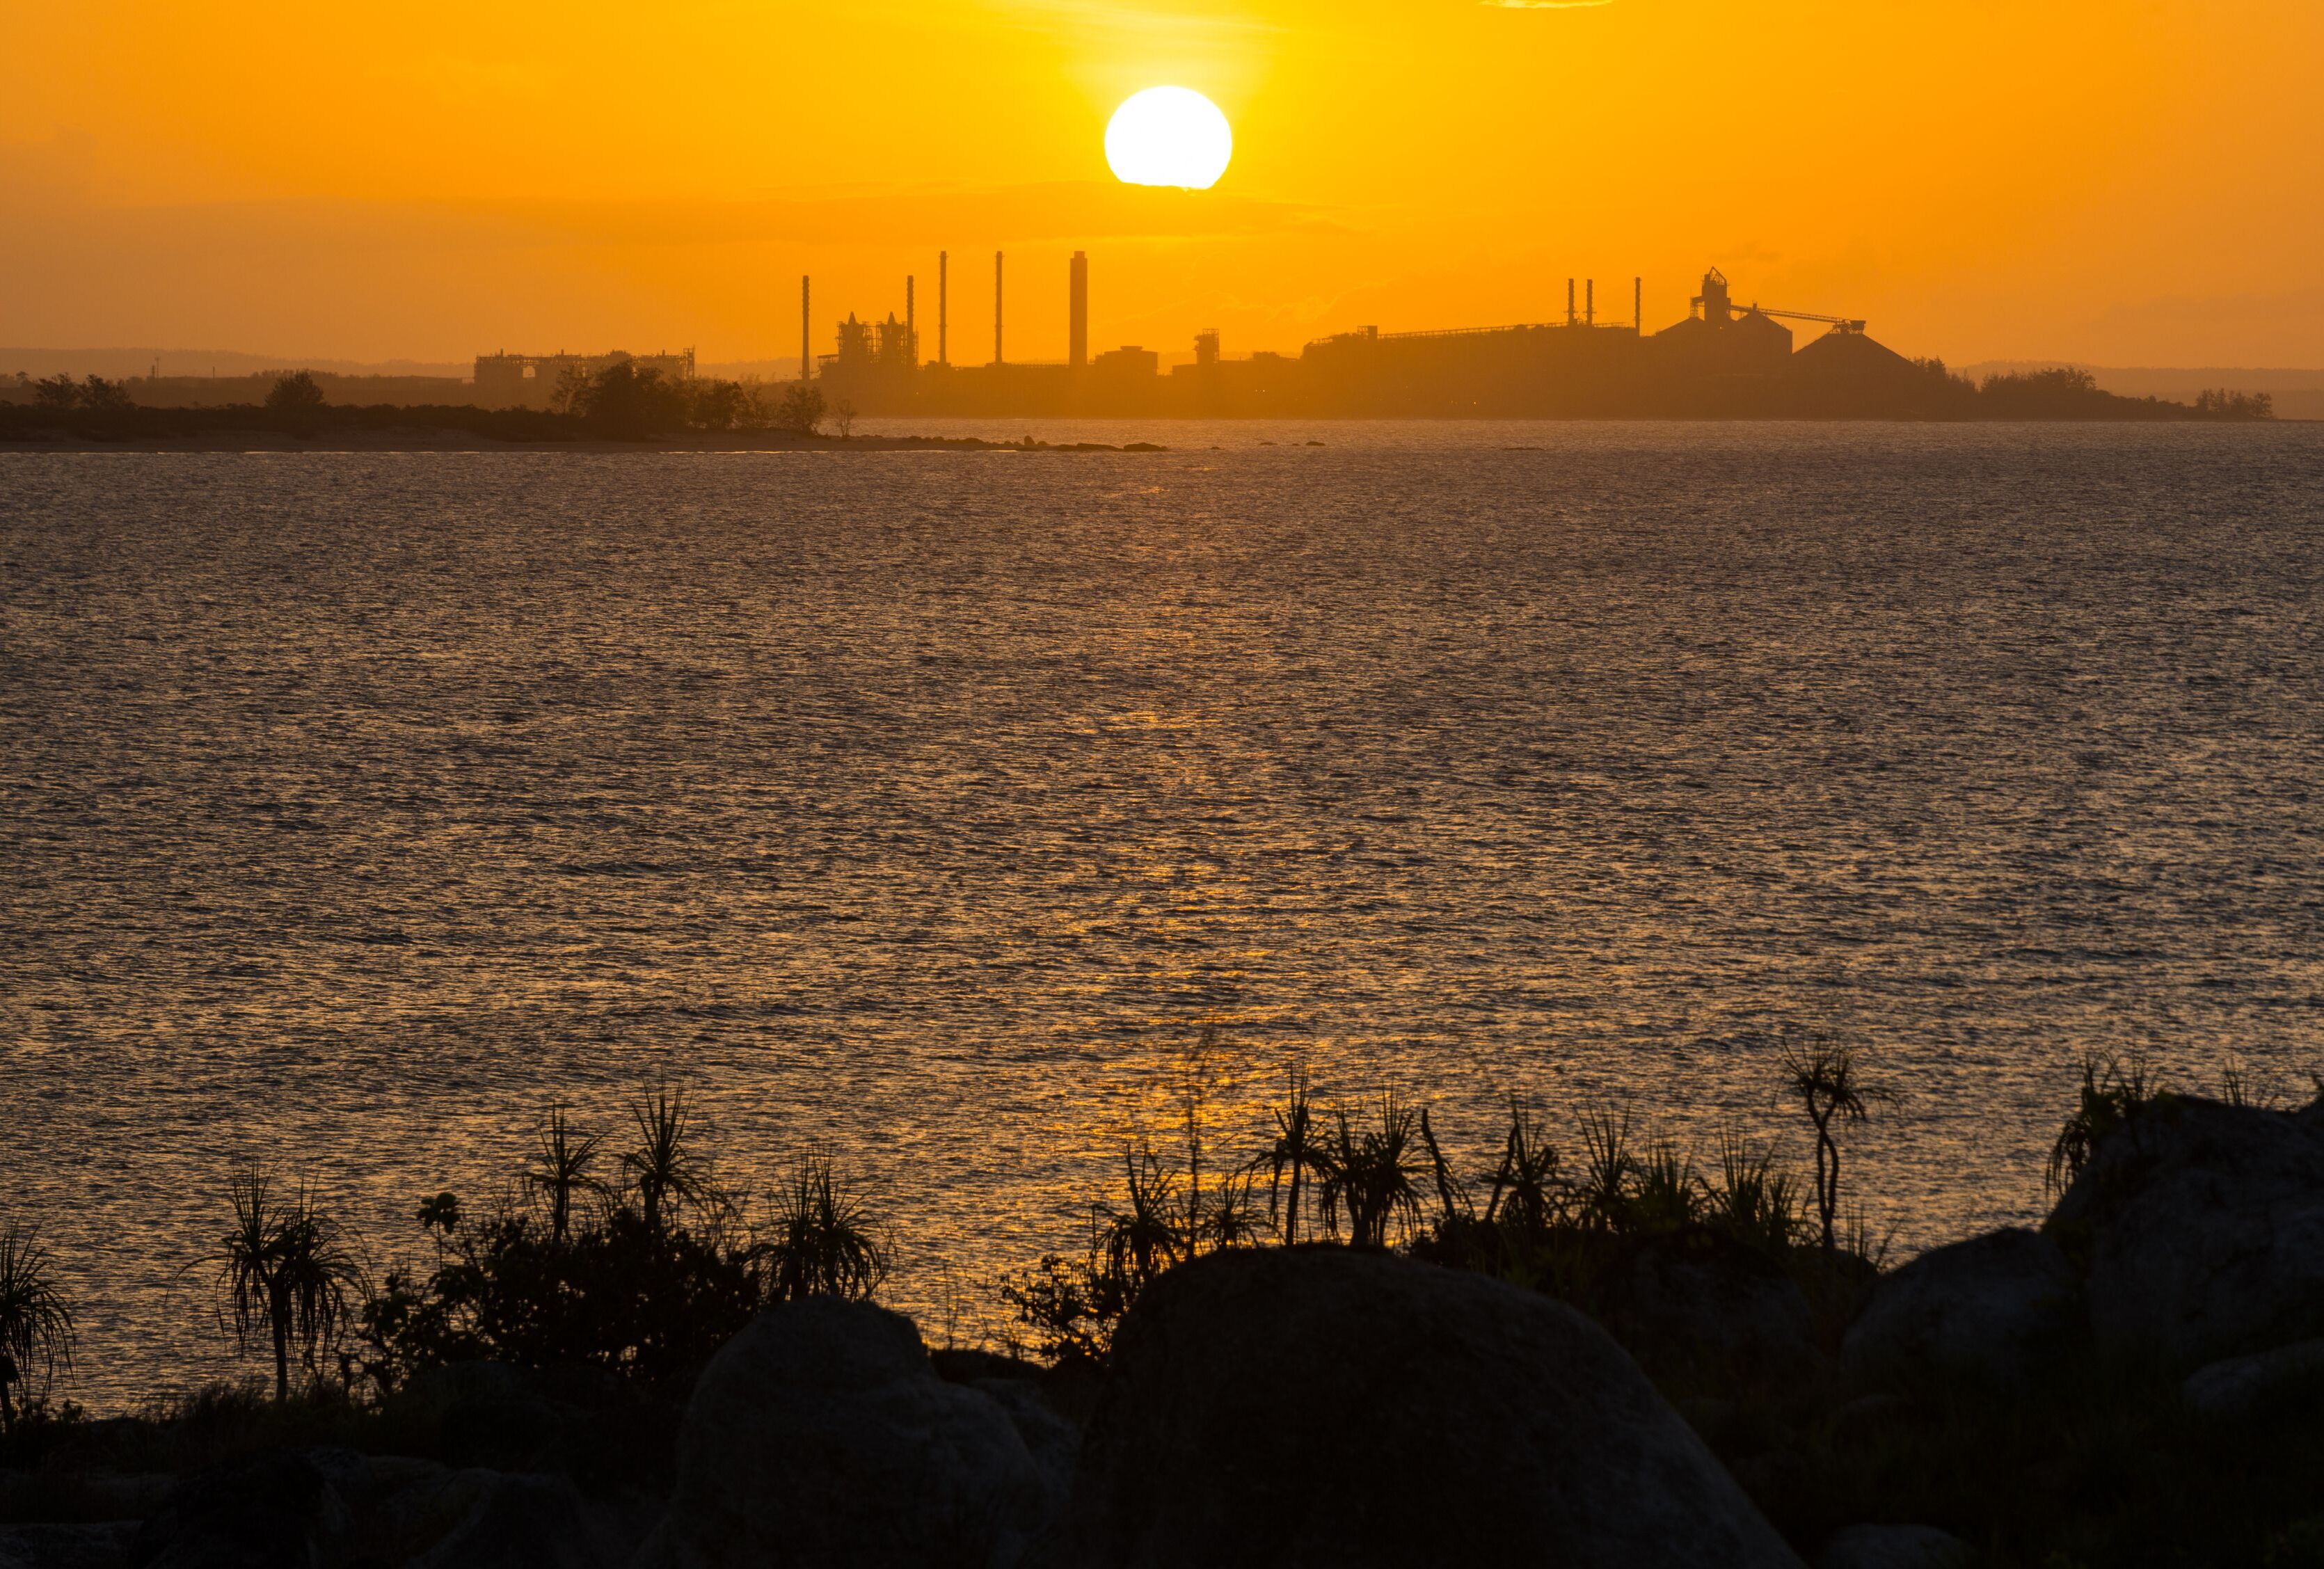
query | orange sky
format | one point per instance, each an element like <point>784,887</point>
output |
<point>2125,182</point>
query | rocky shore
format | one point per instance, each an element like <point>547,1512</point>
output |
<point>2137,1381</point>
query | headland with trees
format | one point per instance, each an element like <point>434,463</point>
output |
<point>623,407</point>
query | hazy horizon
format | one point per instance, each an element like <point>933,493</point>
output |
<point>2298,392</point>
<point>134,361</point>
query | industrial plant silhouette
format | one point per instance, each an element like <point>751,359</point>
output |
<point>1722,358</point>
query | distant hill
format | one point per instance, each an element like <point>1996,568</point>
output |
<point>115,363</point>
<point>182,363</point>
<point>2298,394</point>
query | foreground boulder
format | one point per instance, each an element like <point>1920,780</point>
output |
<point>76,1546</point>
<point>2246,1388</point>
<point>1895,1547</point>
<point>2201,1226</point>
<point>1704,1308</point>
<point>1313,1406</point>
<point>821,1436</point>
<point>519,1522</point>
<point>1994,1310</point>
<point>286,1507</point>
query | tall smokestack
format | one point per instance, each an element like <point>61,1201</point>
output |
<point>996,307</point>
<point>1568,302</point>
<point>911,326</point>
<point>1638,306</point>
<point>1077,312</point>
<point>943,295</point>
<point>807,336</point>
<point>1590,302</point>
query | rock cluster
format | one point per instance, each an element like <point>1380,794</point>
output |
<point>1312,1405</point>
<point>2201,1227</point>
<point>2193,1236</point>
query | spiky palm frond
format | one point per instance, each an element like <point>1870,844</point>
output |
<point>1752,1201</point>
<point>36,1325</point>
<point>560,1168</point>
<point>1526,1194</point>
<point>2114,1092</point>
<point>1609,1167</point>
<point>1667,1191</point>
<point>665,1167</point>
<point>1370,1178</point>
<point>822,1241</point>
<point>1293,1153</point>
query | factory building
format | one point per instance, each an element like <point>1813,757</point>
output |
<point>875,363</point>
<point>1717,340</point>
<point>1722,357</point>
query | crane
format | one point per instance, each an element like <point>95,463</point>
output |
<point>1837,323</point>
<point>1715,302</point>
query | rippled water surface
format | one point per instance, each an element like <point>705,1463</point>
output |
<point>923,804</point>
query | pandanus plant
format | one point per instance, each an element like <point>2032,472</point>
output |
<point>1526,1196</point>
<point>1367,1177</point>
<point>560,1169</point>
<point>822,1243</point>
<point>36,1326</point>
<point>665,1167</point>
<point>284,1270</point>
<point>1827,1077</point>
<point>1293,1154</point>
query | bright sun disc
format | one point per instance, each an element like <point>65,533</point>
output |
<point>1168,136</point>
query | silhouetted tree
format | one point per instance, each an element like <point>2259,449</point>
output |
<point>802,409</point>
<point>2061,392</point>
<point>283,1267</point>
<point>2221,403</point>
<point>623,401</point>
<point>559,1171</point>
<point>1294,1152</point>
<point>720,405</point>
<point>56,392</point>
<point>297,394</point>
<point>571,389</point>
<point>103,397</point>
<point>1825,1078</point>
<point>665,1167</point>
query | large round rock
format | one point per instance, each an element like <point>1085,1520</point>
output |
<point>1994,1309</point>
<point>1702,1309</point>
<point>821,1436</point>
<point>2202,1227</point>
<point>1312,1406</point>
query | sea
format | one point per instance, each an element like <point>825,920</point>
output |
<point>923,809</point>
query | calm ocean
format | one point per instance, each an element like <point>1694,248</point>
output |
<point>922,806</point>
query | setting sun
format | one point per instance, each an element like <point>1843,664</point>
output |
<point>1168,136</point>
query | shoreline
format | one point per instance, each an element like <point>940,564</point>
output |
<point>2020,1399</point>
<point>421,439</point>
